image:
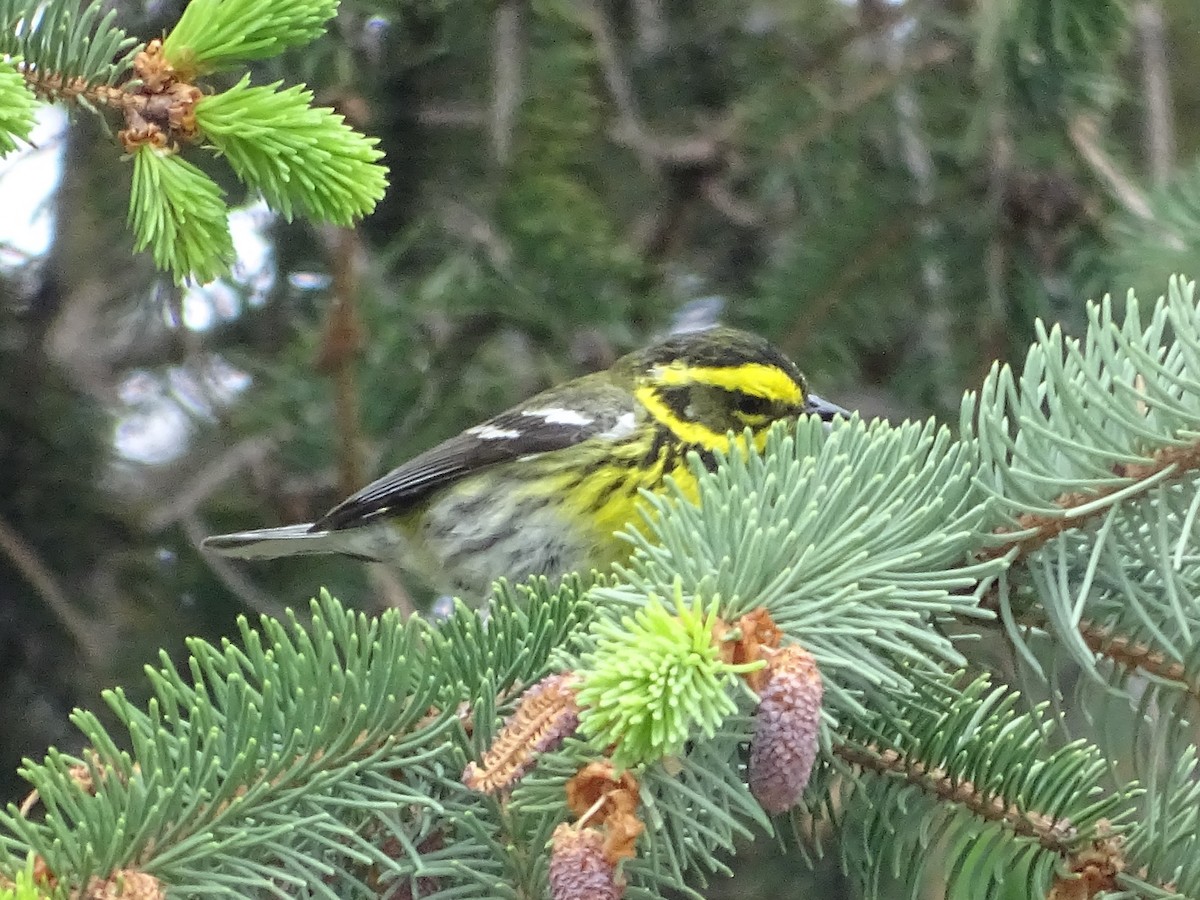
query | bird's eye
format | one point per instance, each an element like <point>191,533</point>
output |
<point>750,405</point>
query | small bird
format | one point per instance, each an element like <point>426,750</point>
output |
<point>543,487</point>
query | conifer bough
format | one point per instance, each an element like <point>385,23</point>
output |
<point>328,751</point>
<point>301,158</point>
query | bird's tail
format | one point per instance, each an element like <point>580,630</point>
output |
<point>297,540</point>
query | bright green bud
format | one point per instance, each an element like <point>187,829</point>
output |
<point>654,680</point>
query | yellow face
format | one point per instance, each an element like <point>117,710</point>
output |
<point>703,398</point>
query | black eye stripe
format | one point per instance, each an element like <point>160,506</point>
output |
<point>752,405</point>
<point>678,399</point>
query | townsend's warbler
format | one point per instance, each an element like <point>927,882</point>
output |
<point>541,488</point>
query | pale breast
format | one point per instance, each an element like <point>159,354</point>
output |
<point>473,535</point>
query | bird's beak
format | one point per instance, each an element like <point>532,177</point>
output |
<point>818,406</point>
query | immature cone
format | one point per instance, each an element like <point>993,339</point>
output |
<point>786,726</point>
<point>546,715</point>
<point>578,867</point>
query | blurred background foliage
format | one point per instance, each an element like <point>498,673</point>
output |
<point>892,191</point>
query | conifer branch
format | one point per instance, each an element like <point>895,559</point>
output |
<point>327,753</point>
<point>620,86</point>
<point>1112,418</point>
<point>216,34</point>
<point>298,156</point>
<point>1058,836</point>
<point>1079,508</point>
<point>62,49</point>
<point>1127,651</point>
<point>965,756</point>
<point>17,106</point>
<point>1132,654</point>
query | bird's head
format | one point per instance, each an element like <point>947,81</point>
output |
<point>703,384</point>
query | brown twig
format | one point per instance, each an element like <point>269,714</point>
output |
<point>1084,131</point>
<point>720,196</point>
<point>619,84</point>
<point>42,580</point>
<point>702,154</point>
<point>159,103</point>
<point>931,56</point>
<point>860,262</point>
<point>1156,90</point>
<point>508,57</point>
<point>1056,835</point>
<point>1104,641</point>
<point>252,596</point>
<point>1046,526</point>
<point>694,168</point>
<point>341,344</point>
<point>650,25</point>
<point>1130,654</point>
<point>452,114</point>
<point>207,481</point>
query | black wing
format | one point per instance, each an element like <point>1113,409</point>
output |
<point>540,425</point>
